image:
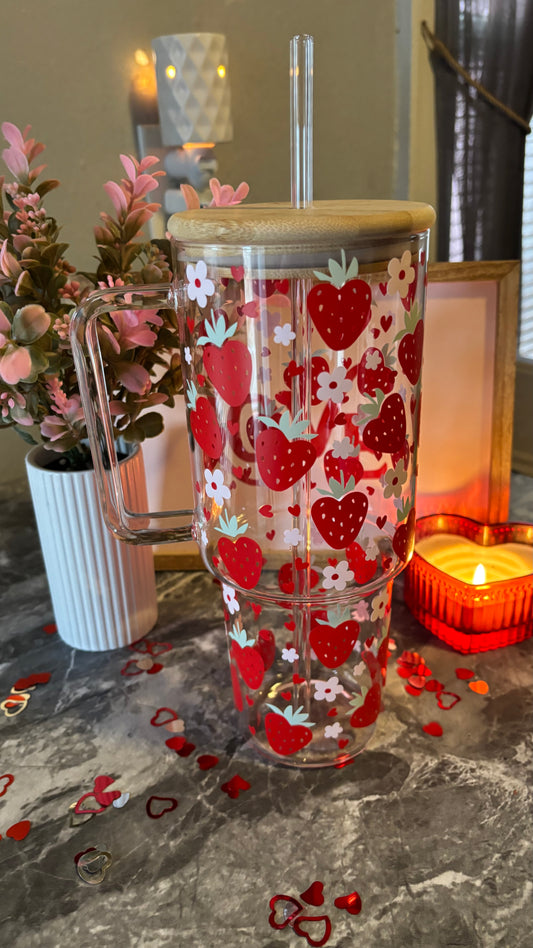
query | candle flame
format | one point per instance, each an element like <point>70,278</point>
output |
<point>480,575</point>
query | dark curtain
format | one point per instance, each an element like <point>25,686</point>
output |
<point>480,150</point>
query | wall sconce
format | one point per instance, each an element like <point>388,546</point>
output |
<point>181,108</point>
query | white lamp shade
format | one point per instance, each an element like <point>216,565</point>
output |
<point>193,88</point>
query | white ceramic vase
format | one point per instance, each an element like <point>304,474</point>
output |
<point>103,590</point>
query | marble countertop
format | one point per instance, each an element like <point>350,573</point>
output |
<point>434,833</point>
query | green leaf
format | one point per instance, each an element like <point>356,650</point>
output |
<point>151,424</point>
<point>30,323</point>
<point>25,435</point>
<point>53,253</point>
<point>45,186</point>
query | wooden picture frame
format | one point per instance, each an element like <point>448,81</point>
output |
<point>468,376</point>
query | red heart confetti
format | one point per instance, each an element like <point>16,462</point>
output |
<point>351,903</point>
<point>287,695</point>
<point>77,857</point>
<point>305,925</point>
<point>464,673</point>
<point>288,909</point>
<point>50,629</point>
<point>105,798</point>
<point>130,669</point>
<point>82,810</point>
<point>163,716</point>
<point>150,648</point>
<point>266,510</point>
<point>175,727</point>
<point>433,728</point>
<point>207,761</point>
<point>480,687</point>
<point>19,831</point>
<point>314,895</point>
<point>236,785</point>
<point>417,681</point>
<point>297,679</point>
<point>156,667</point>
<point>186,750</point>
<point>176,743</point>
<point>447,699</point>
<point>5,781</point>
<point>434,685</point>
<point>40,678</point>
<point>154,811</point>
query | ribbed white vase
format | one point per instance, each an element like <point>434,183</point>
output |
<point>103,590</point>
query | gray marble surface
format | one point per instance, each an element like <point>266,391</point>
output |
<point>434,833</point>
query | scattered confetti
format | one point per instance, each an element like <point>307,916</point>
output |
<point>314,895</point>
<point>181,745</point>
<point>351,903</point>
<point>19,831</point>
<point>5,781</point>
<point>480,687</point>
<point>90,849</point>
<point>283,909</point>
<point>121,800</point>
<point>145,663</point>
<point>234,786</point>
<point>433,728</point>
<point>155,811</point>
<point>464,673</point>
<point>93,865</point>
<point>411,690</point>
<point>50,629</point>
<point>433,685</point>
<point>81,810</point>
<point>164,716</point>
<point>150,648</point>
<point>77,819</point>
<point>207,761</point>
<point>105,798</point>
<point>24,684</point>
<point>305,925</point>
<point>447,699</point>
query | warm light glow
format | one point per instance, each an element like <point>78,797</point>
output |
<point>141,58</point>
<point>189,146</point>
<point>221,71</point>
<point>170,71</point>
<point>480,575</point>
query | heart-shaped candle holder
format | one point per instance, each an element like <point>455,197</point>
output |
<point>472,615</point>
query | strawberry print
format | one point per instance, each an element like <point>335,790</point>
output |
<point>411,343</point>
<point>343,461</point>
<point>333,641</point>
<point>227,361</point>
<point>403,541</point>
<point>385,432</point>
<point>340,305</point>
<point>247,659</point>
<point>287,731</point>
<point>366,705</point>
<point>266,646</point>
<point>241,556</point>
<point>204,425</point>
<point>374,371</point>
<point>361,563</point>
<point>339,515</point>
<point>283,456</point>
<point>293,371</point>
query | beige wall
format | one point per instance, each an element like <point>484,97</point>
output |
<point>65,68</point>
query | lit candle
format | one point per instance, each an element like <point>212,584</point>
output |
<point>143,93</point>
<point>459,557</point>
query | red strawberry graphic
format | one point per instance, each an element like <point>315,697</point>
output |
<point>266,646</point>
<point>340,306</point>
<point>403,541</point>
<point>333,641</point>
<point>385,433</point>
<point>227,361</point>
<point>204,425</point>
<point>411,343</point>
<point>318,365</point>
<point>340,515</point>
<point>363,567</point>
<point>242,557</point>
<point>287,731</point>
<point>287,580</point>
<point>283,457</point>
<point>247,659</point>
<point>374,371</point>
<point>337,467</point>
<point>367,706</point>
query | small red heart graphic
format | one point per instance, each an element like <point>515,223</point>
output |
<point>270,534</point>
<point>257,609</point>
<point>387,561</point>
<point>190,323</point>
<point>375,333</point>
<point>340,419</point>
<point>207,761</point>
<point>300,565</point>
<point>342,742</point>
<point>294,510</point>
<point>81,810</point>
<point>265,352</point>
<point>235,786</point>
<point>237,274</point>
<point>266,510</point>
<point>237,472</point>
<point>290,625</point>
<point>233,427</point>
<point>305,925</point>
<point>332,713</point>
<point>369,490</point>
<point>297,679</point>
<point>154,811</point>
<point>251,729</point>
<point>19,831</point>
<point>249,701</point>
<point>200,379</point>
<point>447,699</point>
<point>351,902</point>
<point>381,521</point>
<point>332,561</point>
<point>314,894</point>
<point>464,673</point>
<point>286,694</point>
<point>5,781</point>
<point>386,323</point>
<point>287,908</point>
<point>176,743</point>
<point>40,678</point>
<point>433,728</point>
<point>207,514</point>
<point>282,286</point>
<point>383,288</point>
<point>155,668</point>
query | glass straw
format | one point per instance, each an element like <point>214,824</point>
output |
<point>301,75</point>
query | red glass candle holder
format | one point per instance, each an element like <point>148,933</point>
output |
<point>471,616</point>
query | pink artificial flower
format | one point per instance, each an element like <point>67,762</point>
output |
<point>191,198</point>
<point>15,364</point>
<point>22,151</point>
<point>224,195</point>
<point>8,264</point>
<point>5,329</point>
<point>133,329</point>
<point>14,406</point>
<point>133,377</point>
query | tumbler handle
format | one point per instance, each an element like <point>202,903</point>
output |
<point>132,526</point>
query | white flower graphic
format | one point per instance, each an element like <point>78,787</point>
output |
<point>336,577</point>
<point>327,690</point>
<point>188,356</point>
<point>343,449</point>
<point>284,335</point>
<point>292,537</point>
<point>372,359</point>
<point>333,385</point>
<point>394,479</point>
<point>379,606</point>
<point>401,274</point>
<point>199,286</point>
<point>229,597</point>
<point>333,730</point>
<point>203,535</point>
<point>290,655</point>
<point>215,486</point>
<point>360,612</point>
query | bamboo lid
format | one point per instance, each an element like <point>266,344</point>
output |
<point>274,225</point>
